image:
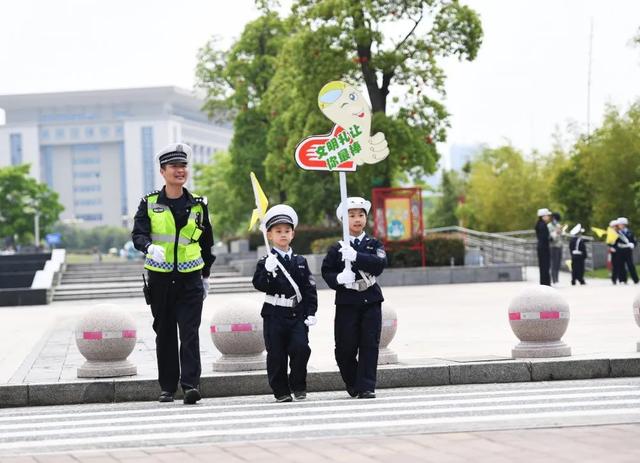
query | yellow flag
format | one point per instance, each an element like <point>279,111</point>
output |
<point>261,201</point>
<point>612,236</point>
<point>599,231</point>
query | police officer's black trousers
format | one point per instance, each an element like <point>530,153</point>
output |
<point>618,272</point>
<point>286,338</point>
<point>357,336</point>
<point>626,256</point>
<point>544,264</point>
<point>556,262</point>
<point>177,300</point>
<point>577,269</point>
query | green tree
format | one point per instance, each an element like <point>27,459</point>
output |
<point>452,188</point>
<point>505,189</point>
<point>291,59</point>
<point>572,191</point>
<point>21,197</point>
<point>609,163</point>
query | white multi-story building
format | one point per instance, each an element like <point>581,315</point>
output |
<point>96,149</point>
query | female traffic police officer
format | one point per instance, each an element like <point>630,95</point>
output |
<point>358,320</point>
<point>172,228</point>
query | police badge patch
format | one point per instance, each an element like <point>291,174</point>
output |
<point>380,253</point>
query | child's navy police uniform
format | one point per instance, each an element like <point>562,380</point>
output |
<point>358,320</point>
<point>285,332</point>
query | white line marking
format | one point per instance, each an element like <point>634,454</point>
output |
<point>299,412</point>
<point>158,409</point>
<point>173,436</point>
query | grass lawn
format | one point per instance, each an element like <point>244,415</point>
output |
<point>603,273</point>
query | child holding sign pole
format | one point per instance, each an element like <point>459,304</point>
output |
<point>358,319</point>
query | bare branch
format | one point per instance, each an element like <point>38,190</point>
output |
<point>415,25</point>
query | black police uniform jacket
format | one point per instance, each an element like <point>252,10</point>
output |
<point>629,234</point>
<point>279,285</point>
<point>371,259</point>
<point>141,233</point>
<point>582,247</point>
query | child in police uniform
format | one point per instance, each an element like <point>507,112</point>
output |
<point>289,307</point>
<point>578,251</point>
<point>358,300</point>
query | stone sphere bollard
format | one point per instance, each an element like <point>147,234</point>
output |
<point>636,315</point>
<point>389,327</point>
<point>539,316</point>
<point>105,336</point>
<point>236,331</point>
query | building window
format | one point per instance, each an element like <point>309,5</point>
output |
<point>123,182</point>
<point>59,134</point>
<point>86,174</point>
<point>44,134</point>
<point>15,141</point>
<point>104,132</point>
<point>90,217</point>
<point>88,202</point>
<point>147,158</point>
<point>86,188</point>
<point>75,133</point>
<point>88,132</point>
<point>119,131</point>
<point>46,161</point>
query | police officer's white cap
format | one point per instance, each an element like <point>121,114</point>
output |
<point>354,202</point>
<point>174,153</point>
<point>623,221</point>
<point>544,211</point>
<point>614,222</point>
<point>280,213</point>
<point>577,229</point>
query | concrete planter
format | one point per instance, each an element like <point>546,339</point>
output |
<point>539,317</point>
<point>387,356</point>
<point>237,332</point>
<point>105,337</point>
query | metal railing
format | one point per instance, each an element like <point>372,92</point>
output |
<point>519,247</point>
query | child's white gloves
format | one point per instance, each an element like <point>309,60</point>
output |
<point>310,321</point>
<point>271,264</point>
<point>348,253</point>
<point>156,252</point>
<point>346,277</point>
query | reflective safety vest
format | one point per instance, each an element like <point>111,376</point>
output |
<point>188,257</point>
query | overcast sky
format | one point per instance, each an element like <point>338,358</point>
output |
<point>530,75</point>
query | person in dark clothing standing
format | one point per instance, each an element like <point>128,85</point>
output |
<point>578,251</point>
<point>627,245</point>
<point>289,307</point>
<point>544,253</point>
<point>358,319</point>
<point>618,272</point>
<point>172,228</point>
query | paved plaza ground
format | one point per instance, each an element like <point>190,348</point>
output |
<point>454,322</point>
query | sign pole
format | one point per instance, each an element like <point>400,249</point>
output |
<point>345,212</point>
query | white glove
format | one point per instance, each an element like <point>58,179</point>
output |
<point>345,277</point>
<point>310,321</point>
<point>205,285</point>
<point>271,263</point>
<point>156,252</point>
<point>631,245</point>
<point>348,253</point>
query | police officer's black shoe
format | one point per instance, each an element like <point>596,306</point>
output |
<point>352,392</point>
<point>284,398</point>
<point>300,395</point>
<point>165,396</point>
<point>191,396</point>
<point>367,395</point>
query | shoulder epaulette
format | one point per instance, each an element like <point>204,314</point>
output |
<point>154,192</point>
